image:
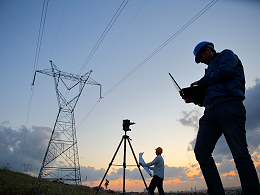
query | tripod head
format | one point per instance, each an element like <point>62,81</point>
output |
<point>126,124</point>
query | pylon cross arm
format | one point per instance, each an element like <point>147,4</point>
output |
<point>64,75</point>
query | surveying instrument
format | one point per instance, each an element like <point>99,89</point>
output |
<point>126,124</point>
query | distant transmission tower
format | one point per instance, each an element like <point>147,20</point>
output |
<point>61,160</point>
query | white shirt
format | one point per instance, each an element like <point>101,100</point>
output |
<point>158,166</point>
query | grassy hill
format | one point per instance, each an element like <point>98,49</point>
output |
<point>18,183</point>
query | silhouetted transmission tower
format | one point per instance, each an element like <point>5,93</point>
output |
<point>61,160</point>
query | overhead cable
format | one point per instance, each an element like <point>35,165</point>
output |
<point>118,12</point>
<point>112,21</point>
<point>153,53</point>
<point>38,49</point>
<point>37,54</point>
<point>162,46</point>
<point>40,35</point>
<point>120,35</point>
<point>58,27</point>
<point>95,105</point>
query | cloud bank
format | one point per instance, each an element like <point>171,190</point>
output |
<point>22,147</point>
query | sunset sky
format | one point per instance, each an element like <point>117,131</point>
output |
<point>148,40</point>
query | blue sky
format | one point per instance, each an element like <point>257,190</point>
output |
<point>147,97</point>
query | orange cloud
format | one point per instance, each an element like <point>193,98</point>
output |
<point>174,181</point>
<point>256,163</point>
<point>231,173</point>
<point>190,172</point>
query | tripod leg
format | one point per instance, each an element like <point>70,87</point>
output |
<point>124,163</point>
<point>109,165</point>
<point>138,164</point>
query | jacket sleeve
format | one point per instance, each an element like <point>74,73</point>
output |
<point>222,69</point>
<point>154,162</point>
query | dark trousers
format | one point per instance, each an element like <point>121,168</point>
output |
<point>228,118</point>
<point>156,182</point>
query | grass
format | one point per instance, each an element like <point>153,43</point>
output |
<point>16,183</point>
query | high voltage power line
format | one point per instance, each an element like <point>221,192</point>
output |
<point>162,46</point>
<point>58,27</point>
<point>152,54</point>
<point>120,34</point>
<point>112,21</point>
<point>118,12</point>
<point>37,54</point>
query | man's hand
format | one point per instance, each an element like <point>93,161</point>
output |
<point>194,83</point>
<point>184,97</point>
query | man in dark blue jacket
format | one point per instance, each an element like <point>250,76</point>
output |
<point>225,113</point>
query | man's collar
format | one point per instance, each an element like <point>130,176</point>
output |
<point>214,55</point>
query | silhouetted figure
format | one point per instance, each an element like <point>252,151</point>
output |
<point>107,183</point>
<point>224,114</point>
<point>158,176</point>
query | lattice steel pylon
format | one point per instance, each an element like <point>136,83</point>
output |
<point>61,160</point>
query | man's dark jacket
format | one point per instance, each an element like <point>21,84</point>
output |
<point>223,78</point>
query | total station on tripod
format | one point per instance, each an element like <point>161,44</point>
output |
<point>126,124</point>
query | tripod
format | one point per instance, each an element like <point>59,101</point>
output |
<point>125,137</point>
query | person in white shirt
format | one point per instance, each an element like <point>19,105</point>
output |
<point>158,168</point>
